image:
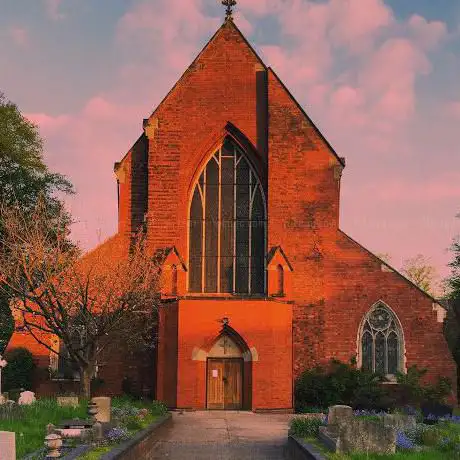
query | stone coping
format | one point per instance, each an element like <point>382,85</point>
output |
<point>124,449</point>
<point>299,449</point>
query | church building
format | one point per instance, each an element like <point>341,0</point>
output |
<point>239,190</point>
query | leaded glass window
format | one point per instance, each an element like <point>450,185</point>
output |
<point>381,341</point>
<point>227,226</point>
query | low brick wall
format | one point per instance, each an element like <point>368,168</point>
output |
<point>138,446</point>
<point>298,449</point>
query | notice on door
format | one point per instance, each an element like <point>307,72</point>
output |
<point>215,373</point>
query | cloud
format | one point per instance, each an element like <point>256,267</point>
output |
<point>355,70</point>
<point>427,33</point>
<point>53,9</point>
<point>19,35</point>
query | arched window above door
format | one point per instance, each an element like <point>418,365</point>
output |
<point>227,226</point>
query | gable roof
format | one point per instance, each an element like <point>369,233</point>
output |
<point>233,26</point>
<point>226,24</point>
<point>320,134</point>
<point>392,269</point>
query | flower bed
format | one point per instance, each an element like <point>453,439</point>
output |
<point>128,417</point>
<point>436,441</point>
<point>29,422</point>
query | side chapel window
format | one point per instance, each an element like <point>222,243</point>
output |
<point>381,341</point>
<point>227,226</point>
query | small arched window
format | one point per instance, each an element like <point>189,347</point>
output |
<point>227,226</point>
<point>280,275</point>
<point>381,341</point>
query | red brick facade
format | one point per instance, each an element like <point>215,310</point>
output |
<point>329,282</point>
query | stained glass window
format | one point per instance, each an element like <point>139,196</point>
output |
<point>381,341</point>
<point>227,226</point>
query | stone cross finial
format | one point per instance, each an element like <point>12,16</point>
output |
<point>229,10</point>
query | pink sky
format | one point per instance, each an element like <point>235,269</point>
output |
<point>379,83</point>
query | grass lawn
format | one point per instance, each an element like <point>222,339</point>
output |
<point>29,422</point>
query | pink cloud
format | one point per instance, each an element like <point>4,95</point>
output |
<point>19,35</point>
<point>427,33</point>
<point>52,9</point>
<point>453,109</point>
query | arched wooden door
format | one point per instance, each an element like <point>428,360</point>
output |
<point>224,386</point>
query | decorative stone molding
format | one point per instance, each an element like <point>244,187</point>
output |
<point>120,171</point>
<point>151,126</point>
<point>441,312</point>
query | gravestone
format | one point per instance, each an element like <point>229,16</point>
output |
<point>339,414</point>
<point>26,398</point>
<point>400,422</point>
<point>7,445</point>
<point>361,435</point>
<point>103,405</point>
<point>71,401</point>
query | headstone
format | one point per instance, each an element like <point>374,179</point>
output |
<point>7,445</point>
<point>339,414</point>
<point>26,398</point>
<point>369,436</point>
<point>2,399</point>
<point>400,422</point>
<point>103,409</point>
<point>67,401</point>
<point>50,428</point>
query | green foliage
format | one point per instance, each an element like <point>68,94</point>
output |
<point>415,392</point>
<point>19,371</point>
<point>305,427</point>
<point>339,383</point>
<point>24,179</point>
<point>23,174</point>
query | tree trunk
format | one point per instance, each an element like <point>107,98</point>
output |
<point>85,383</point>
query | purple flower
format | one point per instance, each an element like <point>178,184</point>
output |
<point>403,442</point>
<point>117,434</point>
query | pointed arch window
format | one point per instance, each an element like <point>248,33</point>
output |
<point>381,341</point>
<point>227,226</point>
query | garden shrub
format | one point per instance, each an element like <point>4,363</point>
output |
<point>19,371</point>
<point>305,427</point>
<point>413,391</point>
<point>159,408</point>
<point>339,383</point>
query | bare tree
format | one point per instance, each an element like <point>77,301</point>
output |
<point>87,302</point>
<point>419,270</point>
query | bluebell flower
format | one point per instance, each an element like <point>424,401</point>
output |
<point>403,442</point>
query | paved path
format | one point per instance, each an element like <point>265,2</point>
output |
<point>222,435</point>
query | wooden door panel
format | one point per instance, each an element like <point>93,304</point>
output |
<point>215,385</point>
<point>233,384</point>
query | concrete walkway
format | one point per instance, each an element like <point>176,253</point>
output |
<point>222,435</point>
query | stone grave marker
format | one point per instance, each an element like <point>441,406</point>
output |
<point>103,405</point>
<point>361,435</point>
<point>7,445</point>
